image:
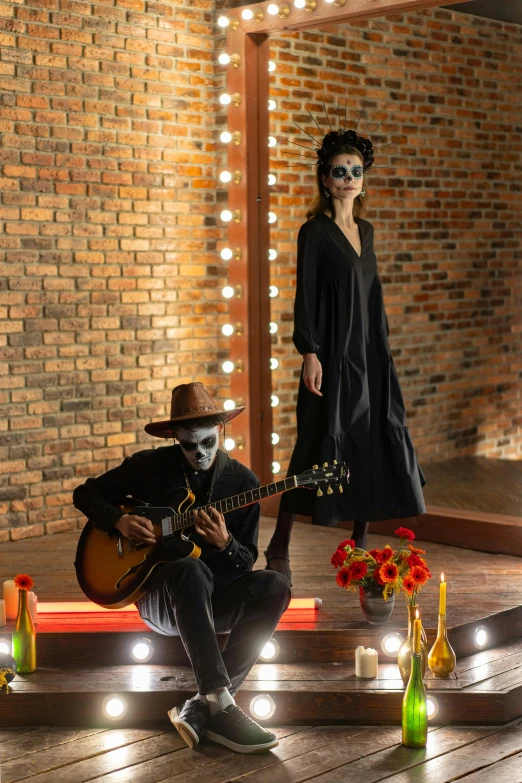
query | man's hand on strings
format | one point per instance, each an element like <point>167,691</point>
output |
<point>136,528</point>
<point>212,527</point>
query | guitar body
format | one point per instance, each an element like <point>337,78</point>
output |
<point>113,572</point>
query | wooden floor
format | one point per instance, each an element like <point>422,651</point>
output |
<point>475,484</point>
<point>324,754</point>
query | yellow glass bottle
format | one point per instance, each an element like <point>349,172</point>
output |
<point>24,637</point>
<point>442,659</point>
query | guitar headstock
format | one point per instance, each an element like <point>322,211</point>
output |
<point>325,476</point>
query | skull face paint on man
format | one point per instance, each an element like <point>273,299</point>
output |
<point>199,445</point>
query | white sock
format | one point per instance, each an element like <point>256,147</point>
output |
<point>199,697</point>
<point>219,700</point>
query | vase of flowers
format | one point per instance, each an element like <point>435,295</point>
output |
<point>380,574</point>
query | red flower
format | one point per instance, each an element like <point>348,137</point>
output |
<point>415,560</point>
<point>349,542</point>
<point>23,582</point>
<point>419,575</point>
<point>389,572</point>
<point>387,553</point>
<point>358,571</point>
<point>405,532</point>
<point>375,553</point>
<point>409,584</point>
<point>337,558</point>
<point>343,577</point>
<point>377,576</point>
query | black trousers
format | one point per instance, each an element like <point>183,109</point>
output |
<point>186,599</point>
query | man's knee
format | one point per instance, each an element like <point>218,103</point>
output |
<point>187,569</point>
<point>271,583</point>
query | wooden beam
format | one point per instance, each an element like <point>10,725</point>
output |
<point>321,13</point>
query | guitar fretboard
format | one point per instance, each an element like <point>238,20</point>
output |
<point>185,519</point>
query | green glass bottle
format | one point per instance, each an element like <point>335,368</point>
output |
<point>24,637</point>
<point>414,708</point>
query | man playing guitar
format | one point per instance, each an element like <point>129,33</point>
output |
<point>197,598</point>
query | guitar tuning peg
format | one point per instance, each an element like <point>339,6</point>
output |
<point>329,491</point>
<point>335,462</point>
<point>341,490</point>
<point>325,464</point>
<point>314,467</point>
<point>319,493</point>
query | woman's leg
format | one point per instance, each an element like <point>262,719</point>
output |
<point>360,534</point>
<point>277,557</point>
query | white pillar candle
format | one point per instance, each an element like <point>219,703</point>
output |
<point>366,662</point>
<point>32,603</point>
<point>11,599</point>
<point>2,612</point>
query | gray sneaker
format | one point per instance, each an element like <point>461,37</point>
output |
<point>235,730</point>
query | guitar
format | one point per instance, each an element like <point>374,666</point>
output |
<point>113,571</point>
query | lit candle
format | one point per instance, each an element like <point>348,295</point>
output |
<point>32,603</point>
<point>442,601</point>
<point>417,634</point>
<point>2,612</point>
<point>366,662</point>
<point>11,599</point>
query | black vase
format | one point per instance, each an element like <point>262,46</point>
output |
<point>375,609</point>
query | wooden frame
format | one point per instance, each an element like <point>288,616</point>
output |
<point>248,84</point>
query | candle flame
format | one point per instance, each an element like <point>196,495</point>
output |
<point>442,578</point>
<point>416,614</point>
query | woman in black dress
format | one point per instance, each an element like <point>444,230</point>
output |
<point>349,404</point>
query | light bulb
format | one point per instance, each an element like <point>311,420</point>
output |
<point>391,643</point>
<point>142,650</point>
<point>272,141</point>
<point>271,179</point>
<point>270,651</point>
<point>276,467</point>
<point>226,137</point>
<point>274,400</point>
<point>5,647</point>
<point>271,66</point>
<point>272,254</point>
<point>273,327</point>
<point>247,14</point>
<point>271,105</point>
<point>273,291</point>
<point>229,405</point>
<point>274,364</point>
<point>225,176</point>
<point>299,3</point>
<point>262,707</point>
<point>227,329</point>
<point>272,9</point>
<point>228,292</point>
<point>226,215</point>
<point>225,99</point>
<point>226,254</point>
<point>481,637</point>
<point>114,706</point>
<point>432,707</point>
<point>223,21</point>
<point>272,217</point>
<point>230,443</point>
<point>224,58</point>
<point>228,366</point>
<point>275,439</point>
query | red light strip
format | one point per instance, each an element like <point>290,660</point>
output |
<point>80,607</point>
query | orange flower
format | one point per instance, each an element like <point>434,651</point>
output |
<point>23,582</point>
<point>416,550</point>
<point>409,584</point>
<point>419,575</point>
<point>343,577</point>
<point>389,572</point>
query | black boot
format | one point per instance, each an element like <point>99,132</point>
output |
<point>360,534</point>
<point>277,557</point>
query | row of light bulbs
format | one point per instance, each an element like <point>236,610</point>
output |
<point>274,9</point>
<point>235,216</point>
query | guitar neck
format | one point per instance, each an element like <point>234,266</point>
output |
<point>181,521</point>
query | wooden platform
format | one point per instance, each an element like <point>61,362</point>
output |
<point>83,658</point>
<point>321,754</point>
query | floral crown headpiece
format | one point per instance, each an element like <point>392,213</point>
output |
<point>334,139</point>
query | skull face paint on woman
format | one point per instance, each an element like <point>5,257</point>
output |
<point>199,445</point>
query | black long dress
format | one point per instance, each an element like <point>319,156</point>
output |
<point>360,419</point>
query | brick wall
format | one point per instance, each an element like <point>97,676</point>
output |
<point>110,279</point>
<point>447,214</point>
<point>110,285</point>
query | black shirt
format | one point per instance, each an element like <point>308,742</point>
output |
<point>154,475</point>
